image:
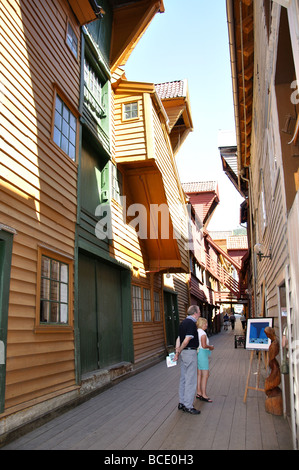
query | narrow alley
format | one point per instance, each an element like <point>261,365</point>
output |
<point>140,413</point>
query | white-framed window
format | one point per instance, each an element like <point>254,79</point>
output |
<point>130,111</point>
<point>137,303</point>
<point>142,310</point>
<point>147,311</point>
<point>65,128</point>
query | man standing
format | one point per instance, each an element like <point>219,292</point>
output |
<point>186,347</point>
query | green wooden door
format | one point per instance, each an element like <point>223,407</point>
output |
<point>88,322</point>
<point>6,241</point>
<point>109,311</point>
<point>100,314</point>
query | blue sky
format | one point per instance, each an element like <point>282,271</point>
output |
<point>190,41</point>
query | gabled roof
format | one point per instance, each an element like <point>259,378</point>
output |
<point>204,197</point>
<point>237,243</point>
<point>175,99</point>
<point>200,187</point>
<point>170,90</point>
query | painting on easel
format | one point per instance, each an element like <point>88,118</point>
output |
<point>256,337</point>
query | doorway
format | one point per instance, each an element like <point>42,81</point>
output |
<point>171,313</point>
<point>104,310</point>
<point>6,240</point>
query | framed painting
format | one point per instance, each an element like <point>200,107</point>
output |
<point>256,337</point>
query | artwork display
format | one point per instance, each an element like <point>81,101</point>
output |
<point>256,337</point>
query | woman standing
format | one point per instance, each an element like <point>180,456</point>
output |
<point>204,351</point>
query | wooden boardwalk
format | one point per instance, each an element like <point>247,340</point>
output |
<point>140,413</point>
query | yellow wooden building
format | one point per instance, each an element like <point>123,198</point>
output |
<point>79,304</point>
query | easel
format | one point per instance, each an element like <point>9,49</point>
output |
<point>257,386</point>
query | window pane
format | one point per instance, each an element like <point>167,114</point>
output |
<point>64,144</point>
<point>73,122</point>
<point>45,267</point>
<point>63,313</point>
<point>45,289</point>
<point>66,113</point>
<point>54,290</point>
<point>54,269</point>
<point>44,311</point>
<point>54,315</point>
<point>63,292</point>
<point>72,137</point>
<point>72,152</point>
<point>57,136</point>
<point>64,273</point>
<point>58,105</point>
<point>65,128</point>
<point>58,120</point>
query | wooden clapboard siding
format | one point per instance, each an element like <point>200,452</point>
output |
<point>167,166</point>
<point>130,139</point>
<point>38,186</point>
<point>180,282</point>
<point>149,340</point>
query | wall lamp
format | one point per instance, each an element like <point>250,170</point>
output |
<point>259,248</point>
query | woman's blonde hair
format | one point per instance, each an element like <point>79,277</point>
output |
<point>201,322</point>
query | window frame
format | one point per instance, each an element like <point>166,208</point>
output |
<point>146,305</point>
<point>44,327</point>
<point>58,93</point>
<point>134,118</point>
<point>146,315</point>
<point>74,51</point>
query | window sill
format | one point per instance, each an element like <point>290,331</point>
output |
<point>53,329</point>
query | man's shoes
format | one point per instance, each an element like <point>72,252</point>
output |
<point>192,411</point>
<point>181,406</point>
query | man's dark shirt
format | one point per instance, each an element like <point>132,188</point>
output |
<point>188,328</point>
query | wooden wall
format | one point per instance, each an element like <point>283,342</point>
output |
<point>274,234</point>
<point>37,185</point>
<point>167,165</point>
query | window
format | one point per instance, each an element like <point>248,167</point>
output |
<point>72,40</point>
<point>137,305</point>
<point>130,111</point>
<point>54,291</point>
<point>93,91</point>
<point>142,310</point>
<point>116,184</point>
<point>147,304</point>
<point>157,306</point>
<point>65,128</point>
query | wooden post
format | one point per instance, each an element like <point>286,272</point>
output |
<point>257,387</point>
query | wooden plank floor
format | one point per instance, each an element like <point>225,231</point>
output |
<point>141,413</point>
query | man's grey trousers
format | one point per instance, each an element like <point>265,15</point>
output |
<point>188,380</point>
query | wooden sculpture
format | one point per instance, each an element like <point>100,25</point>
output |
<point>274,396</point>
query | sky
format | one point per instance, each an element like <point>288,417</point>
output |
<point>190,41</point>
